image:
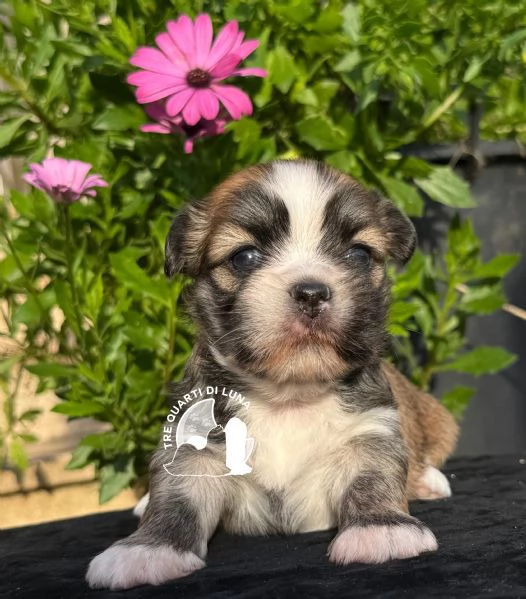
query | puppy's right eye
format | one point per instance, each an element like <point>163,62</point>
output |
<point>246,259</point>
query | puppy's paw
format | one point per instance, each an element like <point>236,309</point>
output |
<point>127,566</point>
<point>375,544</point>
<point>432,485</point>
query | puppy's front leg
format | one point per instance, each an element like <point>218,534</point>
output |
<point>171,541</point>
<point>374,522</point>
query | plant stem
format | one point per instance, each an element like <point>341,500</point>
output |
<point>444,107</point>
<point>71,275</point>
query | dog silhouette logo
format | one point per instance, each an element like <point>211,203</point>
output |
<point>193,429</point>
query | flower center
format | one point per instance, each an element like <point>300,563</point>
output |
<point>198,78</point>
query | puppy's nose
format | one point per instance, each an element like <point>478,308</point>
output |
<point>310,296</point>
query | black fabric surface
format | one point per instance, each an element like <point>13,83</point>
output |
<point>481,532</point>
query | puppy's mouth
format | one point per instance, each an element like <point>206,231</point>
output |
<point>310,327</point>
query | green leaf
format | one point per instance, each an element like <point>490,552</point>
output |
<point>132,276</point>
<point>473,69</point>
<point>79,409</point>
<point>348,62</point>
<point>481,360</point>
<point>445,186</point>
<point>482,300</point>
<point>463,247</point>
<point>17,455</point>
<point>510,41</point>
<point>22,203</point>
<point>115,477</point>
<point>282,69</point>
<point>105,442</point>
<point>247,133</point>
<point>405,196</point>
<point>8,129</point>
<point>402,311</point>
<point>496,268</point>
<point>29,415</point>
<point>320,133</point>
<point>120,118</point>
<point>351,21</point>
<point>79,457</point>
<point>51,369</point>
<point>457,400</point>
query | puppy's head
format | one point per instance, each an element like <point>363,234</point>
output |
<point>289,260</point>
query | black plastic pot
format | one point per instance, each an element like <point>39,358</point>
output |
<point>495,421</point>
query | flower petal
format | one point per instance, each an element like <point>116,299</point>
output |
<point>251,71</point>
<point>203,34</point>
<point>155,111</point>
<point>144,96</point>
<point>224,42</point>
<point>182,33</point>
<point>246,48</point>
<point>188,146</point>
<point>40,174</point>
<point>152,87</point>
<point>154,128</point>
<point>177,102</point>
<point>239,39</point>
<point>192,112</point>
<point>33,180</point>
<point>207,103</point>
<point>169,47</point>
<point>55,169</point>
<point>234,100</point>
<point>94,180</point>
<point>154,60</point>
<point>76,174</point>
<point>155,80</point>
<point>225,67</point>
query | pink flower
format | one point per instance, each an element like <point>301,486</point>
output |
<point>188,69</point>
<point>64,180</point>
<point>175,124</point>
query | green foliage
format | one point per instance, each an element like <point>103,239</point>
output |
<point>349,83</point>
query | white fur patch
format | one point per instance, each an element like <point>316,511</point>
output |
<point>140,508</point>
<point>127,566</point>
<point>377,544</point>
<point>305,195</point>
<point>297,449</point>
<point>433,485</point>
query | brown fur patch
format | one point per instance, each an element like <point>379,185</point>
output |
<point>372,237</point>
<point>224,278</point>
<point>428,429</point>
<point>225,239</point>
<point>222,198</point>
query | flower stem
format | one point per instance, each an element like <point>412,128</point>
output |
<point>71,275</point>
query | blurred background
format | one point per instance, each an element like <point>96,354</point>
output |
<point>424,103</point>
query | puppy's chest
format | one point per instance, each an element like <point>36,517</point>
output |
<point>290,440</point>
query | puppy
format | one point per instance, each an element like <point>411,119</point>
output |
<point>290,295</point>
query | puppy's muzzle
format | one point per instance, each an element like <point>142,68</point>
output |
<point>311,296</point>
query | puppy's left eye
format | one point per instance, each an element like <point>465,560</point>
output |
<point>246,259</point>
<point>359,255</point>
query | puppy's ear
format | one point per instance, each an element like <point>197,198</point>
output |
<point>185,244</point>
<point>399,231</point>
